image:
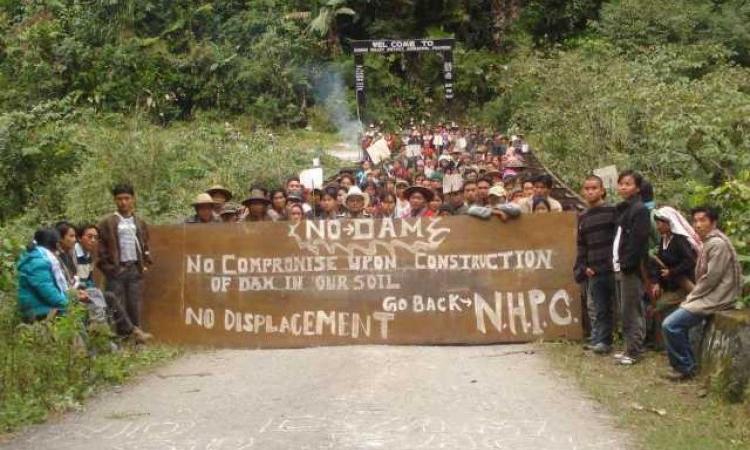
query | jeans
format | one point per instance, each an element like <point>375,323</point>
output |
<point>600,300</point>
<point>676,328</point>
<point>127,288</point>
<point>629,291</point>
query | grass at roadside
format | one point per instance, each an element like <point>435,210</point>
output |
<point>44,368</point>
<point>660,414</point>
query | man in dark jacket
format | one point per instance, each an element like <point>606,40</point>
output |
<point>596,232</point>
<point>629,252</point>
<point>124,252</point>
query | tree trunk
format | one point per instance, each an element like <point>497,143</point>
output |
<point>504,13</point>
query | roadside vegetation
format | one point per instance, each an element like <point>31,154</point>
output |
<point>660,414</point>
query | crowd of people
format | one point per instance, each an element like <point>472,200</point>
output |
<point>432,171</point>
<point>646,266</point>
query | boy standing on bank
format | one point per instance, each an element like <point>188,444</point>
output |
<point>596,233</point>
<point>629,252</point>
<point>124,252</point>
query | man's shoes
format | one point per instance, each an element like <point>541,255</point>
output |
<point>140,336</point>
<point>618,355</point>
<point>627,360</point>
<point>601,348</point>
<point>676,376</point>
<point>588,346</point>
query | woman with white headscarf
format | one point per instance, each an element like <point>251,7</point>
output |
<point>673,266</point>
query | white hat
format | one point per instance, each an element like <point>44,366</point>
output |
<point>355,191</point>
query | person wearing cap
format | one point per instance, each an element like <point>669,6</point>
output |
<point>355,202</point>
<point>457,203</point>
<point>257,206</point>
<point>497,201</point>
<point>294,198</point>
<point>229,213</point>
<point>436,181</point>
<point>419,197</point>
<point>204,210</point>
<point>220,195</point>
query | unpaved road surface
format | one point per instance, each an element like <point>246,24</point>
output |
<point>504,397</point>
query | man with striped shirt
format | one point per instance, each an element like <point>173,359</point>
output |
<point>596,232</point>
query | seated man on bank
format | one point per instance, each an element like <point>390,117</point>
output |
<point>718,284</point>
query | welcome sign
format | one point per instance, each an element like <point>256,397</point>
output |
<point>453,280</point>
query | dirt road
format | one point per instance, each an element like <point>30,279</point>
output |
<point>504,397</point>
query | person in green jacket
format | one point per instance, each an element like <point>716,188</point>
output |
<point>42,286</point>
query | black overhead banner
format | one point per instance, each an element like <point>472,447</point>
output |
<point>403,45</point>
<point>381,46</point>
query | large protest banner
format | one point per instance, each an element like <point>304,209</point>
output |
<point>453,280</point>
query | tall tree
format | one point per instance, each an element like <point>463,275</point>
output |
<point>324,24</point>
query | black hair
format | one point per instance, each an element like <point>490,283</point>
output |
<point>647,191</point>
<point>538,200</point>
<point>467,182</point>
<point>486,179</point>
<point>123,188</point>
<point>276,191</point>
<point>45,237</point>
<point>710,212</point>
<point>63,227</point>
<point>330,191</point>
<point>637,177</point>
<point>544,179</point>
<point>292,178</point>
<point>81,229</point>
<point>599,180</point>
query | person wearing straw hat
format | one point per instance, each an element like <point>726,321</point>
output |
<point>220,195</point>
<point>256,205</point>
<point>419,197</point>
<point>204,209</point>
<point>356,201</point>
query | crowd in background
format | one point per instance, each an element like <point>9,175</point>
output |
<point>646,268</point>
<point>439,170</point>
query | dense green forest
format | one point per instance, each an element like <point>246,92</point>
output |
<point>176,95</point>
